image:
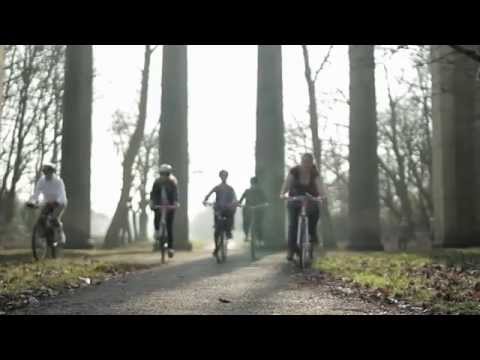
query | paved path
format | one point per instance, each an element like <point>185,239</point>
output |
<point>197,285</point>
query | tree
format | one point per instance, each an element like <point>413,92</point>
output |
<point>76,143</point>
<point>327,229</point>
<point>2,77</point>
<point>28,116</point>
<point>270,142</point>
<point>120,218</point>
<point>364,213</point>
<point>174,132</point>
<point>454,158</point>
<point>147,160</point>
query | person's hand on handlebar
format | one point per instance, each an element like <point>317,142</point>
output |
<point>31,205</point>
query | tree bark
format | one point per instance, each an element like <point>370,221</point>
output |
<point>173,148</point>
<point>2,79</point>
<point>326,225</point>
<point>76,143</point>
<point>121,212</point>
<point>270,142</point>
<point>453,106</point>
<point>364,213</point>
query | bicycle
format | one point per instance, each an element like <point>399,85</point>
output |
<point>220,234</point>
<point>252,228</point>
<point>305,248</point>
<point>45,234</point>
<point>161,241</point>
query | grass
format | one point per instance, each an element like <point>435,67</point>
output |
<point>446,281</point>
<point>21,277</point>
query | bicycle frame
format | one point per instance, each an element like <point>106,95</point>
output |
<point>220,231</point>
<point>162,240</point>
<point>305,248</point>
<point>251,228</point>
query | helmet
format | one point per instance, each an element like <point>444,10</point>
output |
<point>49,166</point>
<point>165,168</point>
<point>223,173</point>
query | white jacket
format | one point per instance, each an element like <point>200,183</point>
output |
<point>52,190</point>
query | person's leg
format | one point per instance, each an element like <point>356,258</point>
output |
<point>293,213</point>
<point>313,217</point>
<point>170,218</point>
<point>230,215</point>
<point>259,216</point>
<point>58,212</point>
<point>156,223</point>
<point>215,225</point>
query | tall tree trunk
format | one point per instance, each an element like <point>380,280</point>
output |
<point>121,213</point>
<point>453,106</point>
<point>2,79</point>
<point>174,132</point>
<point>326,225</point>
<point>270,142</point>
<point>135,226</point>
<point>364,214</point>
<point>77,143</point>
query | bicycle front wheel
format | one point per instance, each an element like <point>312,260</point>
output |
<point>304,251</point>
<point>39,243</point>
<point>253,244</point>
<point>223,248</point>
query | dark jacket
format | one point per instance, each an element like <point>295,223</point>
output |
<point>298,188</point>
<point>171,188</point>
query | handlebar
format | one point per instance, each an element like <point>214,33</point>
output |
<point>209,204</point>
<point>37,205</point>
<point>166,207</point>
<point>306,197</point>
<point>255,207</point>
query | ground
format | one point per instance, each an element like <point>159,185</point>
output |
<point>132,280</point>
<point>194,284</point>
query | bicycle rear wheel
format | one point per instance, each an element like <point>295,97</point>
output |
<point>163,243</point>
<point>253,244</point>
<point>39,243</point>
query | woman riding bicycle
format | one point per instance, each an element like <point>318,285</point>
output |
<point>165,192</point>
<point>302,180</point>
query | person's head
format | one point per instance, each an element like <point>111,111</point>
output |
<point>165,171</point>
<point>307,161</point>
<point>223,175</point>
<point>48,170</point>
<point>254,181</point>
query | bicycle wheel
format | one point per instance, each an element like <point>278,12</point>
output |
<point>39,243</point>
<point>163,243</point>
<point>303,251</point>
<point>223,248</point>
<point>253,243</point>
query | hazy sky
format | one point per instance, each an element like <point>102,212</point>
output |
<point>222,106</point>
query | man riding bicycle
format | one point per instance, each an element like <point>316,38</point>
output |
<point>225,202</point>
<point>253,196</point>
<point>302,180</point>
<point>165,193</point>
<point>51,187</point>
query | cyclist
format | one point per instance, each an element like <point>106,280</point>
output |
<point>225,202</point>
<point>254,196</point>
<point>303,179</point>
<point>52,188</point>
<point>165,192</point>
